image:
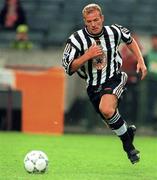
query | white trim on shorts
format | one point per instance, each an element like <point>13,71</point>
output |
<point>120,88</point>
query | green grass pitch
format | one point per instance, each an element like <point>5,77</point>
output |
<point>77,157</point>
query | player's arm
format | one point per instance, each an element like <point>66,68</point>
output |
<point>132,45</point>
<point>141,67</point>
<point>92,52</point>
<point>72,61</point>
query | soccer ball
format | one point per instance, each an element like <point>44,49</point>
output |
<point>36,162</point>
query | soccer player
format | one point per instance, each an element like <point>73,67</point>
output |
<point>93,53</point>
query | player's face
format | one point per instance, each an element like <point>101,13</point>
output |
<point>94,22</point>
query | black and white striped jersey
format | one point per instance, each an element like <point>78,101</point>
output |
<point>109,39</point>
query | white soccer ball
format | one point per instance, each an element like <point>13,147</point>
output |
<point>36,162</point>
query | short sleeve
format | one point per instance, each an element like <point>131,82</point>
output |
<point>69,54</point>
<point>125,34</point>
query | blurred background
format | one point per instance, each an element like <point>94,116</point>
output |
<point>32,38</point>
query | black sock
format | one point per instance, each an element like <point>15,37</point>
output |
<point>118,125</point>
<point>126,140</point>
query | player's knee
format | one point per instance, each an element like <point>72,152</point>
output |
<point>107,111</point>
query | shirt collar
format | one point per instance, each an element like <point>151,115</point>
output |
<point>94,35</point>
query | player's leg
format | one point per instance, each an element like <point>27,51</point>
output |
<point>108,108</point>
<point>113,91</point>
<point>132,131</point>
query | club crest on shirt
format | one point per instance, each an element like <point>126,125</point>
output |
<point>100,62</point>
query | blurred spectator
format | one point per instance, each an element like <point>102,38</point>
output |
<point>12,15</point>
<point>130,62</point>
<point>129,66</point>
<point>22,39</point>
<point>151,61</point>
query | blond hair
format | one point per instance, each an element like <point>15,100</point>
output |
<point>90,8</point>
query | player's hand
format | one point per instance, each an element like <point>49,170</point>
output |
<point>94,51</point>
<point>142,70</point>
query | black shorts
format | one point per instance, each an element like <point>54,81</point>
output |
<point>115,85</point>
